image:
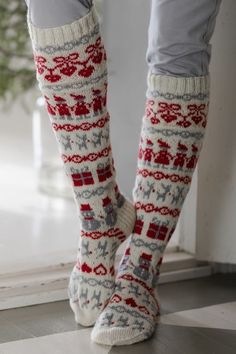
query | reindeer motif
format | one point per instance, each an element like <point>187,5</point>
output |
<point>138,188</point>
<point>134,289</point>
<point>66,142</point>
<point>84,295</point>
<point>146,298</point>
<point>122,321</point>
<point>82,141</point>
<point>98,140</point>
<point>163,195</point>
<point>177,197</point>
<point>85,248</point>
<point>107,319</point>
<point>102,249</point>
<point>147,192</point>
<point>138,325</point>
<point>97,297</point>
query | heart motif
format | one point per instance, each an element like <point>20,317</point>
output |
<point>155,120</point>
<point>197,119</point>
<point>68,71</point>
<point>168,118</point>
<point>130,301</point>
<point>100,270</point>
<point>86,72</point>
<point>96,59</point>
<point>85,268</point>
<point>52,78</point>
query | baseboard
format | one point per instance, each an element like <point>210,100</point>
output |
<point>223,267</point>
<point>50,284</point>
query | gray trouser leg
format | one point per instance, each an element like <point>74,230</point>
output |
<point>53,13</point>
<point>178,36</point>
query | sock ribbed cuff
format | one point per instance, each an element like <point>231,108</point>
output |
<point>179,85</point>
<point>61,34</point>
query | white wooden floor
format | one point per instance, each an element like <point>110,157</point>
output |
<point>74,342</point>
<point>221,316</point>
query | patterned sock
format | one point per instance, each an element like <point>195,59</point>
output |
<point>72,76</point>
<point>171,139</point>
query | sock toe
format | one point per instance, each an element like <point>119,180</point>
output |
<point>118,336</point>
<point>84,318</point>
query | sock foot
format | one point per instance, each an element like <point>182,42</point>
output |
<point>89,292</point>
<point>128,319</point>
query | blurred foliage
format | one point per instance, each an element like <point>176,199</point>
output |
<point>17,74</point>
<point>17,68</point>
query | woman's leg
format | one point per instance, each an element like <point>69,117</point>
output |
<point>53,13</point>
<point>71,70</point>
<point>180,47</point>
<point>172,133</point>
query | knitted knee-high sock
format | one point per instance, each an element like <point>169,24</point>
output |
<point>171,139</point>
<point>72,75</point>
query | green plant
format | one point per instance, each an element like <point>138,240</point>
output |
<point>17,74</point>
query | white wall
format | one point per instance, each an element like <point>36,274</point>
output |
<point>125,25</point>
<point>125,34</point>
<point>216,207</point>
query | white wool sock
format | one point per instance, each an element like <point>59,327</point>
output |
<point>72,74</point>
<point>172,134</point>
